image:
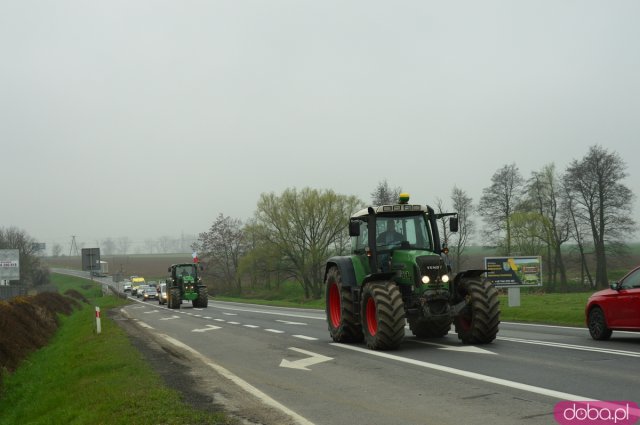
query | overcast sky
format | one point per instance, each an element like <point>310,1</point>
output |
<point>147,118</point>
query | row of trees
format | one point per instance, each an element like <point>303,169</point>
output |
<point>124,245</point>
<point>291,235</point>
<point>587,205</point>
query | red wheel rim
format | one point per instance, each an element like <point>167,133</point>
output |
<point>372,317</point>
<point>334,306</point>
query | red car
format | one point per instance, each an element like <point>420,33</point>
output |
<point>616,308</point>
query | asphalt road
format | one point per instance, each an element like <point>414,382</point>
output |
<point>286,357</point>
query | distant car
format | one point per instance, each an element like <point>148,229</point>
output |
<point>162,293</point>
<point>149,293</point>
<point>141,290</point>
<point>616,308</point>
<point>126,287</point>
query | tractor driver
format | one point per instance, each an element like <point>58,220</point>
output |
<point>390,236</point>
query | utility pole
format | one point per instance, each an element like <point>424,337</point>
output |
<point>74,247</point>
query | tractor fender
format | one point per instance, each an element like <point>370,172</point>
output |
<point>468,273</point>
<point>457,280</point>
<point>347,272</point>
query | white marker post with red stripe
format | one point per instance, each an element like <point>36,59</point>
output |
<point>98,327</point>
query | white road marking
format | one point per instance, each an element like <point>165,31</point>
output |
<point>471,375</point>
<point>208,328</point>
<point>152,311</point>
<point>219,320</point>
<point>230,314</point>
<point>291,323</point>
<point>571,346</point>
<point>242,383</point>
<point>308,338</point>
<point>251,326</point>
<point>459,348</point>
<point>303,363</point>
<point>233,323</point>
<point>275,331</point>
<point>144,325</point>
<point>170,318</point>
<point>283,313</point>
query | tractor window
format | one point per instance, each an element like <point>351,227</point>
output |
<point>408,232</point>
<point>360,242</point>
<point>185,271</point>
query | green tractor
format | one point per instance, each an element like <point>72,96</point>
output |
<point>184,283</point>
<point>398,271</point>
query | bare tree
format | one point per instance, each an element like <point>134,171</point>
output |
<point>56,250</point>
<point>383,194</point>
<point>544,194</point>
<point>579,232</point>
<point>222,247</point>
<point>602,201</point>
<point>108,246</point>
<point>164,244</point>
<point>463,205</point>
<point>497,204</point>
<point>123,243</point>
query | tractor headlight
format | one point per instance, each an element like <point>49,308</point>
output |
<point>425,279</point>
<point>445,278</point>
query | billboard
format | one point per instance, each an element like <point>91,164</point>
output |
<point>90,259</point>
<point>514,271</point>
<point>9,264</point>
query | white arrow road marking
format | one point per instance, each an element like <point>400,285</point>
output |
<point>291,323</point>
<point>208,328</point>
<point>303,363</point>
<point>459,348</point>
<point>170,318</point>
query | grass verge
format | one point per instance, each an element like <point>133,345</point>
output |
<point>553,309</point>
<point>82,377</point>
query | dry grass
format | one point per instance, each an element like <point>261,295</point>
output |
<point>27,324</point>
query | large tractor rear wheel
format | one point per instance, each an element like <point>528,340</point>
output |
<point>478,322</point>
<point>383,317</point>
<point>341,315</point>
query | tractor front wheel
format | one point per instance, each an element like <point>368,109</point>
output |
<point>478,322</point>
<point>174,298</point>
<point>341,316</point>
<point>203,297</point>
<point>383,316</point>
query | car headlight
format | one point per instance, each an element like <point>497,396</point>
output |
<point>425,279</point>
<point>445,278</point>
